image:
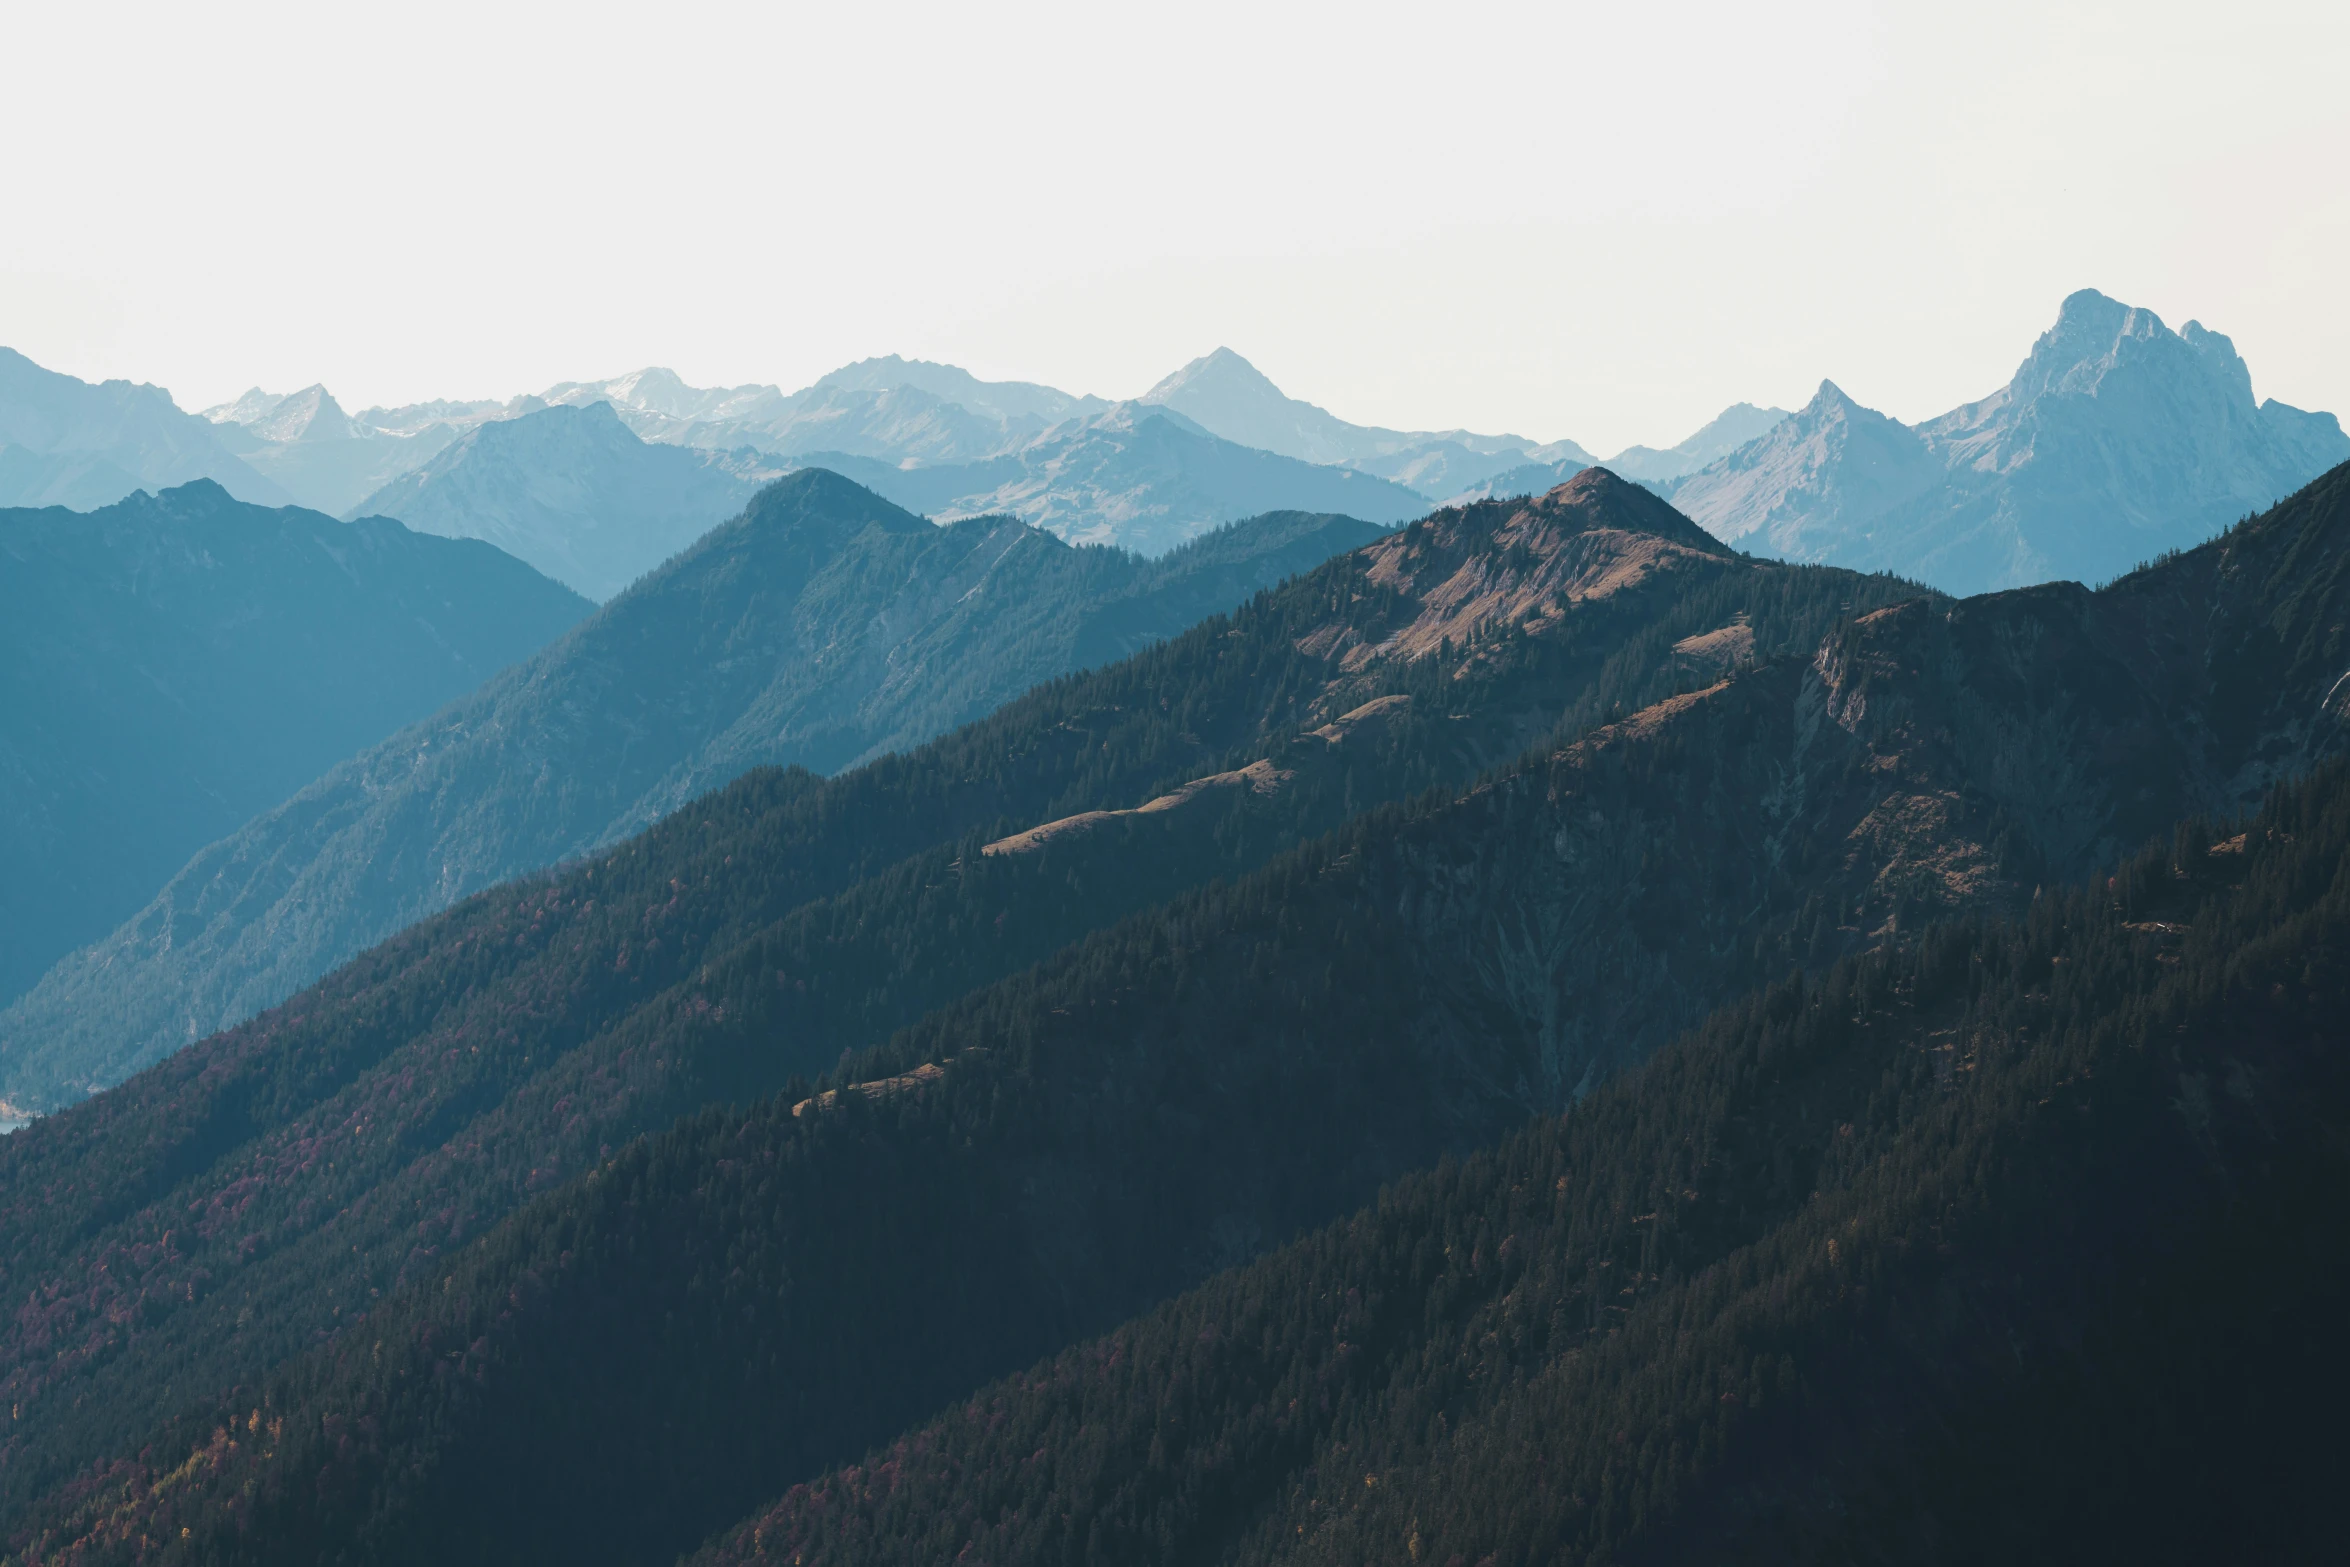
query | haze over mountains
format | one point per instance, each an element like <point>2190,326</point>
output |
<point>174,664</point>
<point>820,629</point>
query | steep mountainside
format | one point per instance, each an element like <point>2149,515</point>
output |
<point>823,628</point>
<point>2117,440</point>
<point>752,1298</point>
<point>1135,477</point>
<point>852,906</point>
<point>172,664</point>
<point>64,442</point>
<point>574,492</point>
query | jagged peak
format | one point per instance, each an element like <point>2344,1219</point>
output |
<point>1830,397</point>
<point>2088,309</point>
<point>311,414</point>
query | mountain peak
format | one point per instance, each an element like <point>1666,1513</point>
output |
<point>1223,372</point>
<point>311,414</point>
<point>1599,498</point>
<point>2088,309</point>
<point>1830,398</point>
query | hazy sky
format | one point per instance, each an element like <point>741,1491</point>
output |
<point>1603,222</point>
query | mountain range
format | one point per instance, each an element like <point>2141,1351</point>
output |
<point>176,663</point>
<point>523,1236</point>
<point>821,628</point>
<point>2117,440</point>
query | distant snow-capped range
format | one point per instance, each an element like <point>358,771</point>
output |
<point>2117,439</point>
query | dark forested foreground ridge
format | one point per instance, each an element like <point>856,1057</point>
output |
<point>172,664</point>
<point>632,1362</point>
<point>192,1228</point>
<point>822,628</point>
<point>2021,1243</point>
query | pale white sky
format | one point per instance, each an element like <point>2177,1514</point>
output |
<point>1596,221</point>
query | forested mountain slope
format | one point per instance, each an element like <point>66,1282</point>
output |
<point>501,1048</point>
<point>172,664</point>
<point>743,1301</point>
<point>2021,1243</point>
<point>823,628</point>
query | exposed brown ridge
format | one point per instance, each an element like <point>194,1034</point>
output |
<point>1496,565</point>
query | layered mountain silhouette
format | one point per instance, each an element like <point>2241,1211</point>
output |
<point>1737,767</point>
<point>176,663</point>
<point>65,442</point>
<point>1583,1028</point>
<point>821,628</point>
<point>574,492</point>
<point>2117,440</point>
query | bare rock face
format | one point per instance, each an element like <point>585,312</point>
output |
<point>2116,441</point>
